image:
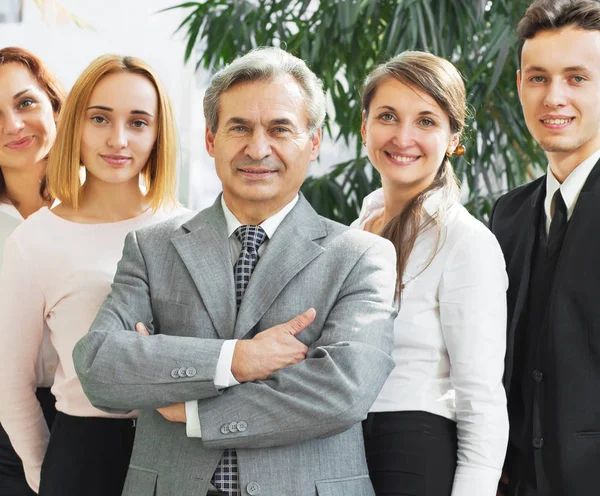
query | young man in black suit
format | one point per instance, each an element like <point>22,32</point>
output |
<point>549,231</point>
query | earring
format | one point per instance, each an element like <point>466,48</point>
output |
<point>458,151</point>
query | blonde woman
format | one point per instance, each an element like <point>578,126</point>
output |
<point>117,123</point>
<point>30,101</point>
<point>439,426</point>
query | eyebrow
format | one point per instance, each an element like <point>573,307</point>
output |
<point>108,109</point>
<point>21,93</point>
<point>423,112</point>
<point>573,68</point>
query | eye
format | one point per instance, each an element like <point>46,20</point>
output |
<point>537,79</point>
<point>139,124</point>
<point>426,122</point>
<point>98,119</point>
<point>387,117</point>
<point>238,129</point>
<point>280,130</point>
<point>578,79</point>
<point>27,102</point>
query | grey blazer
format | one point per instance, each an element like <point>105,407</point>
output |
<point>299,431</point>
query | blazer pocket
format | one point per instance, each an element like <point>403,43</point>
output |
<point>140,481</point>
<point>359,485</point>
<point>588,435</point>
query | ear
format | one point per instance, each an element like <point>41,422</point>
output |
<point>519,83</point>
<point>363,127</point>
<point>209,139</point>
<point>453,144</point>
<point>316,144</point>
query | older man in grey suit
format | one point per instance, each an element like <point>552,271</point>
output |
<point>269,326</point>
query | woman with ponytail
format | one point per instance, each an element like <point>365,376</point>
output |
<point>439,426</point>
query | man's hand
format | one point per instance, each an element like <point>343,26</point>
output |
<point>271,350</point>
<point>174,413</point>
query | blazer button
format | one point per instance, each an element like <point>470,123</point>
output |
<point>242,426</point>
<point>253,488</point>
<point>233,427</point>
<point>190,372</point>
<point>175,373</point>
<point>538,442</point>
<point>225,429</point>
<point>181,372</point>
<point>538,376</point>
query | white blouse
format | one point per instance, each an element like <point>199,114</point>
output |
<point>450,339</point>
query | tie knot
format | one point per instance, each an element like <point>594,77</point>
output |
<point>251,237</point>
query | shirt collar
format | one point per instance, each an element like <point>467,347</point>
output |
<point>571,186</point>
<point>9,209</point>
<point>270,225</point>
<point>374,203</point>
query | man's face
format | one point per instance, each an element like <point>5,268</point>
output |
<point>262,147</point>
<point>559,88</point>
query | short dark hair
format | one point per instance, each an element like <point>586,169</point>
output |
<point>545,15</point>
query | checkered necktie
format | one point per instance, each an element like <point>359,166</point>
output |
<point>251,237</point>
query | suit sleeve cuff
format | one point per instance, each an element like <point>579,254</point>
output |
<point>223,376</point>
<point>192,424</point>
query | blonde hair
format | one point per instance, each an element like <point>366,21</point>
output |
<point>65,158</point>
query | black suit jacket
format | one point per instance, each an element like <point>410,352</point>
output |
<point>569,350</point>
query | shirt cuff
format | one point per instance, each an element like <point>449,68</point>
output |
<point>192,424</point>
<point>223,376</point>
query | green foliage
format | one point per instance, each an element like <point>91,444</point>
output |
<point>342,40</point>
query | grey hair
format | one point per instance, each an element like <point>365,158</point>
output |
<point>266,64</point>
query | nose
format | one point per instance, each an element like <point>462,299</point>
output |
<point>404,136</point>
<point>117,138</point>
<point>556,96</point>
<point>259,146</point>
<point>13,124</point>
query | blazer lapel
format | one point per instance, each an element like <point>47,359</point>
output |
<point>524,245</point>
<point>586,215</point>
<point>290,250</point>
<point>206,254</point>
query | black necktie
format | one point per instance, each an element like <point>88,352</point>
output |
<point>558,225</point>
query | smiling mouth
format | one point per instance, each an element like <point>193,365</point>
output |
<point>20,144</point>
<point>557,121</point>
<point>403,159</point>
<point>256,172</point>
<point>115,159</point>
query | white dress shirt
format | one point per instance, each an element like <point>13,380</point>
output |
<point>10,218</point>
<point>223,376</point>
<point>570,188</point>
<point>450,339</point>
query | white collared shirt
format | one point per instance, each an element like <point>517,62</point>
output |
<point>570,188</point>
<point>450,339</point>
<point>223,376</point>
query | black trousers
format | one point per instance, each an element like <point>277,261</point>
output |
<point>87,456</point>
<point>12,477</point>
<point>410,453</point>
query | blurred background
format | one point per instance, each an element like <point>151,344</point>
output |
<point>341,40</point>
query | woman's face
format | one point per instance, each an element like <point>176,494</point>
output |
<point>407,135</point>
<point>120,128</point>
<point>27,120</point>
